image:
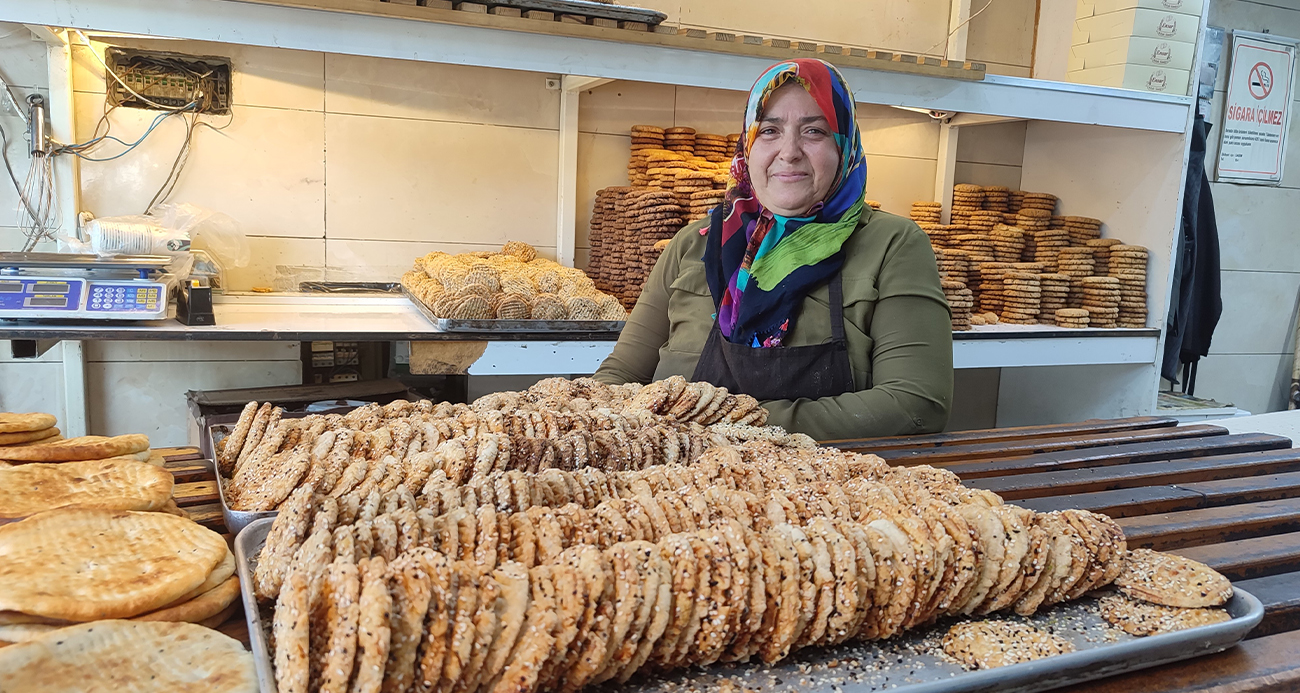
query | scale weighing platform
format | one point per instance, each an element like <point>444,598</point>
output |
<point>83,287</point>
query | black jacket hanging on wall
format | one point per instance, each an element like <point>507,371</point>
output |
<point>1195,302</point>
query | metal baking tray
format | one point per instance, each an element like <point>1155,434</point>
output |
<point>903,665</point>
<point>248,545</point>
<point>514,326</point>
<point>221,427</point>
<point>587,8</point>
<point>237,520</point>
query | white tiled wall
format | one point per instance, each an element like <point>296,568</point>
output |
<point>1253,348</point>
<point>991,155</point>
<point>361,163</point>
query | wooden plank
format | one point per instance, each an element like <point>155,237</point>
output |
<point>504,11</point>
<point>607,23</point>
<point>1133,475</point>
<point>195,493</point>
<point>1149,500</point>
<point>1249,558</point>
<point>1126,502</point>
<point>190,471</point>
<point>1280,595</point>
<point>208,515</point>
<point>988,435</point>
<point>1263,665</point>
<point>1107,455</point>
<point>1021,448</point>
<point>1210,525</point>
<point>540,15</point>
<point>182,450</point>
<point>1247,490</point>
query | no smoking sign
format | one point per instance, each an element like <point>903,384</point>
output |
<point>1256,110</point>
<point>1261,80</point>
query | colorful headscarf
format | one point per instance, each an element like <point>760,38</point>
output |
<point>761,265</point>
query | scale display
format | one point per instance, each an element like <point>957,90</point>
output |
<point>114,299</point>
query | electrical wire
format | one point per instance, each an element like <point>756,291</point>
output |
<point>109,71</point>
<point>174,175</point>
<point>957,28</point>
<point>4,153</point>
<point>13,98</point>
<point>78,149</point>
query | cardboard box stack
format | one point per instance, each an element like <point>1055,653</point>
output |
<point>1135,44</point>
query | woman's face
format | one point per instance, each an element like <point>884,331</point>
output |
<point>794,159</point>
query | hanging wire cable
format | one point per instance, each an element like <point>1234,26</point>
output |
<point>79,149</point>
<point>4,153</point>
<point>957,28</point>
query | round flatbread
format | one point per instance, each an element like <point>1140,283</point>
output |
<point>110,564</point>
<point>129,655</point>
<point>21,423</point>
<point>105,484</point>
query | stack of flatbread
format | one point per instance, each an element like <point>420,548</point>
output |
<point>21,430</point>
<point>129,656</point>
<point>103,484</point>
<point>70,566</point>
<point>53,448</point>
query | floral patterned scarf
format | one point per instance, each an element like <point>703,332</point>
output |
<point>761,265</point>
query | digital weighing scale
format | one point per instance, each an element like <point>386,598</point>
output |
<point>84,287</point>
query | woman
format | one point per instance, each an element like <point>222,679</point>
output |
<point>795,291</point>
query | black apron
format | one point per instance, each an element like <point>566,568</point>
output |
<point>813,371</point>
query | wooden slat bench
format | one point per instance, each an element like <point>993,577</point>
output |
<point>1231,501</point>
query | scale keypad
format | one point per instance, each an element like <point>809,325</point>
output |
<point>109,298</point>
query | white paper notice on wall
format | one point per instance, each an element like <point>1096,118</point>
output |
<point>1252,141</point>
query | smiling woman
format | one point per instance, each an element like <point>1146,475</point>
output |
<point>794,291</point>
<point>794,159</point>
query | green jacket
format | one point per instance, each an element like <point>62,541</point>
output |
<point>897,324</point>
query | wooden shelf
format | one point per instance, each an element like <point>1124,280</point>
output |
<point>391,30</point>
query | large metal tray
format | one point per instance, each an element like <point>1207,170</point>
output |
<point>218,428</point>
<point>587,8</point>
<point>248,544</point>
<point>514,326</point>
<point>237,520</point>
<point>902,665</point>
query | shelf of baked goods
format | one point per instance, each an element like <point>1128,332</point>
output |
<point>1021,275</point>
<point>469,35</point>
